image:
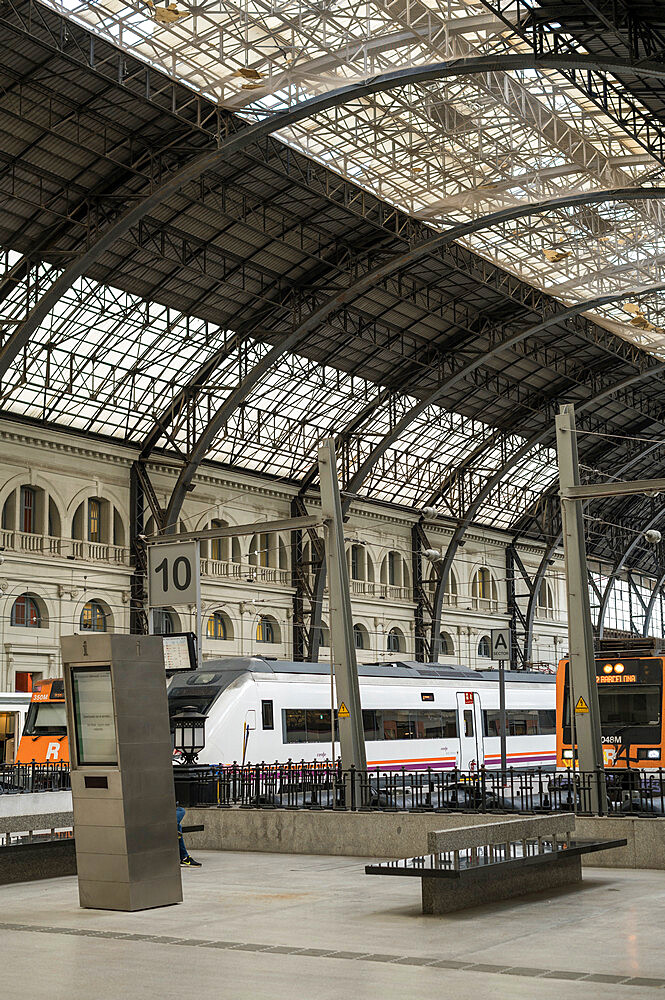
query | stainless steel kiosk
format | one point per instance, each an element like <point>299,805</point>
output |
<point>122,771</point>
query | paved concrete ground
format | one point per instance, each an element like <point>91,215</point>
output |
<point>291,927</point>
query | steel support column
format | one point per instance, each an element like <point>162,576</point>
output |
<point>351,730</point>
<point>582,663</point>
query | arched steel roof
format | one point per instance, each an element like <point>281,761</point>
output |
<point>266,301</point>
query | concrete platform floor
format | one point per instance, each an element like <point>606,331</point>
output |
<point>294,927</point>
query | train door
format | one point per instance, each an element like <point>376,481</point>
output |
<point>470,726</point>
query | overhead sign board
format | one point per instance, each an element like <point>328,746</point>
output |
<point>500,644</point>
<point>173,574</point>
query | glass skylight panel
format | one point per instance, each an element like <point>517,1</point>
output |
<point>447,150</point>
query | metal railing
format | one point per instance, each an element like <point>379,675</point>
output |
<point>303,785</point>
<point>323,785</point>
<point>50,545</point>
<point>15,778</point>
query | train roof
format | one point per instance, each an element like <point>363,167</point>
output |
<point>237,665</point>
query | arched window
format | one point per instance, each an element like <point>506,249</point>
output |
<point>28,509</point>
<point>93,617</point>
<point>447,644</point>
<point>360,637</point>
<point>217,626</point>
<point>324,639</point>
<point>266,630</point>
<point>219,547</point>
<point>395,641</point>
<point>394,570</point>
<point>483,588</point>
<point>94,520</point>
<point>545,599</point>
<point>164,622</point>
<point>484,647</point>
<point>26,613</point>
<point>357,562</point>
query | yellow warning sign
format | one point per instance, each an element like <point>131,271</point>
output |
<point>581,707</point>
<point>343,711</point>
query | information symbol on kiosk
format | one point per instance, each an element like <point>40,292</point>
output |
<point>581,707</point>
<point>343,712</point>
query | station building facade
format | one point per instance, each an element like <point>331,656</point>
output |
<point>64,544</point>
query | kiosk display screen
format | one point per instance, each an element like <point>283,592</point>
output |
<point>94,717</point>
<point>180,651</point>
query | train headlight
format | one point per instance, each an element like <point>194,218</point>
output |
<point>567,754</point>
<point>643,753</point>
<point>619,668</point>
<point>607,669</point>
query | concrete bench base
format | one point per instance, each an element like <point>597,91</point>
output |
<point>30,862</point>
<point>449,895</point>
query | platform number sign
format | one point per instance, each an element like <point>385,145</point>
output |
<point>173,574</point>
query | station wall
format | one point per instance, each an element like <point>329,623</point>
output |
<point>64,534</point>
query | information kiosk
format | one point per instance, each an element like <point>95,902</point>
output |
<point>122,771</point>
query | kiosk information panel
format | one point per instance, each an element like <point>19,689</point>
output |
<point>122,771</point>
<point>94,718</point>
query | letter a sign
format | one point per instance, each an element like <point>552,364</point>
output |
<point>500,644</point>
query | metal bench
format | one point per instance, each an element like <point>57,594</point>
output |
<point>487,862</point>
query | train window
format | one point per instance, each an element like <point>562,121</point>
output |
<point>313,725</point>
<point>468,722</point>
<point>267,719</point>
<point>521,722</point>
<point>308,725</point>
<point>318,726</point>
<point>634,706</point>
<point>44,718</point>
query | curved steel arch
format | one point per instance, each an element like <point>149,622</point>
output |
<point>360,475</point>
<point>652,602</point>
<point>467,369</point>
<point>363,284</point>
<point>555,542</point>
<point>283,119</point>
<point>616,570</point>
<point>493,481</point>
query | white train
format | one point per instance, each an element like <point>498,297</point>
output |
<point>415,715</point>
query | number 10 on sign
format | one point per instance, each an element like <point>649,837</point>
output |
<point>173,574</point>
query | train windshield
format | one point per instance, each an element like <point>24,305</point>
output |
<point>45,718</point>
<point>629,706</point>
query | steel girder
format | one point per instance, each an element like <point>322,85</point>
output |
<point>521,453</point>
<point>290,341</point>
<point>526,19</point>
<point>360,475</point>
<point>466,369</point>
<point>554,542</point>
<point>652,603</point>
<point>235,143</point>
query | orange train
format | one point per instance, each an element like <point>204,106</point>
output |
<point>630,694</point>
<point>44,738</point>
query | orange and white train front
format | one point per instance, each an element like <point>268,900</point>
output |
<point>44,738</point>
<point>630,695</point>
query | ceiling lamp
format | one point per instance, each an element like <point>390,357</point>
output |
<point>249,74</point>
<point>638,320</point>
<point>167,15</point>
<point>554,256</point>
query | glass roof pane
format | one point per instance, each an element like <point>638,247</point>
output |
<point>446,151</point>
